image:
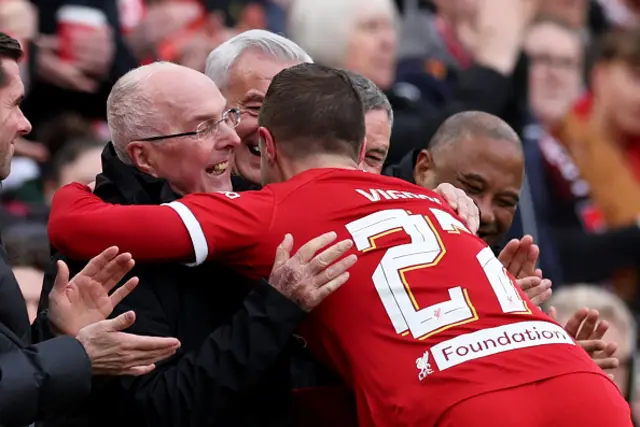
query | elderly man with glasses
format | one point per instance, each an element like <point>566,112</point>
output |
<point>173,135</point>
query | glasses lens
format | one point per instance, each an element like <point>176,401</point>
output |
<point>232,117</point>
<point>205,129</point>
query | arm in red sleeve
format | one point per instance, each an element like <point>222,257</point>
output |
<point>81,226</point>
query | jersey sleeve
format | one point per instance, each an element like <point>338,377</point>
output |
<point>193,228</point>
<point>231,223</point>
<point>81,226</point>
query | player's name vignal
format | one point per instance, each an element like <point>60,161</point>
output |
<point>376,195</point>
<point>497,340</point>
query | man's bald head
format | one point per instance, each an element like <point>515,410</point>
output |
<point>138,101</point>
<point>482,155</point>
<point>472,124</point>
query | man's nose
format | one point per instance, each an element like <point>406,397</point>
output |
<point>487,215</point>
<point>25,126</point>
<point>228,138</point>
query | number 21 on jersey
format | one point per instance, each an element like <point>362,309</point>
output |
<point>425,250</point>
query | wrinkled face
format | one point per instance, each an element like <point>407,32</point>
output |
<point>377,144</point>
<point>371,48</point>
<point>489,171</point>
<point>190,163</point>
<point>248,83</point>
<point>13,123</point>
<point>616,87</point>
<point>555,71</point>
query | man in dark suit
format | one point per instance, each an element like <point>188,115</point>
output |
<point>37,380</point>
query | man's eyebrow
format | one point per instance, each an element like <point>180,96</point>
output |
<point>511,195</point>
<point>377,150</point>
<point>473,177</point>
<point>253,96</point>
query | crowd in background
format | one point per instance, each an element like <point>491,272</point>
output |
<point>565,74</point>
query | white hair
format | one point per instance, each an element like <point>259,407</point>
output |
<point>323,27</point>
<point>373,98</point>
<point>223,57</point>
<point>571,298</point>
<point>131,113</point>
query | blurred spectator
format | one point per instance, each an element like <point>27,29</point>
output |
<point>555,54</point>
<point>622,13</point>
<point>76,68</point>
<point>76,161</point>
<point>597,185</point>
<point>573,12</point>
<point>622,329</point>
<point>27,246</point>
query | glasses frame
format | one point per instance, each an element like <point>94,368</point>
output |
<point>225,115</point>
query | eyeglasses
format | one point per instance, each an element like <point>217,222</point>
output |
<point>205,129</point>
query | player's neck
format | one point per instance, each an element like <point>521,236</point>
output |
<point>291,169</point>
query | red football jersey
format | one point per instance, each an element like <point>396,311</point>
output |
<point>429,316</point>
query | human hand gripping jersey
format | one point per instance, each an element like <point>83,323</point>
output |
<point>428,318</point>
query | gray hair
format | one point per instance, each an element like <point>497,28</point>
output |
<point>131,113</point>
<point>571,298</point>
<point>223,57</point>
<point>372,97</point>
<point>323,27</point>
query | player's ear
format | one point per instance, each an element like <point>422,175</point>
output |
<point>142,157</point>
<point>363,151</point>
<point>424,169</point>
<point>267,143</point>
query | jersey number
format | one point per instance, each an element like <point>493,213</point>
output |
<point>426,250</point>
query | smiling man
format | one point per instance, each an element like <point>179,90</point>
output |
<point>242,68</point>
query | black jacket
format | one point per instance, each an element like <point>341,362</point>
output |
<point>233,367</point>
<point>35,380</point>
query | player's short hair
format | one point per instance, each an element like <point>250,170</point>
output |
<point>222,59</point>
<point>373,98</point>
<point>312,109</point>
<point>473,124</point>
<point>9,49</point>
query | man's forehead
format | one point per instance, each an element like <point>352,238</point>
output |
<point>482,156</point>
<point>254,70</point>
<point>189,99</point>
<point>13,85</point>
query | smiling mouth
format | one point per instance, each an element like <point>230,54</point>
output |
<point>218,168</point>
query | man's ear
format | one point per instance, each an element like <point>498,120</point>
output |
<point>267,144</point>
<point>363,151</point>
<point>141,157</point>
<point>424,165</point>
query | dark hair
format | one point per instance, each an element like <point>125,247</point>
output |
<point>27,245</point>
<point>621,45</point>
<point>68,154</point>
<point>310,109</point>
<point>9,49</point>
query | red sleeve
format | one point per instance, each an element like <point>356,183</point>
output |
<point>231,223</point>
<point>81,226</point>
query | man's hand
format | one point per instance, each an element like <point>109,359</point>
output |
<point>85,299</point>
<point>306,278</point>
<point>538,290</point>
<point>93,53</point>
<point>117,353</point>
<point>588,333</point>
<point>519,257</point>
<point>53,70</point>
<point>462,204</point>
